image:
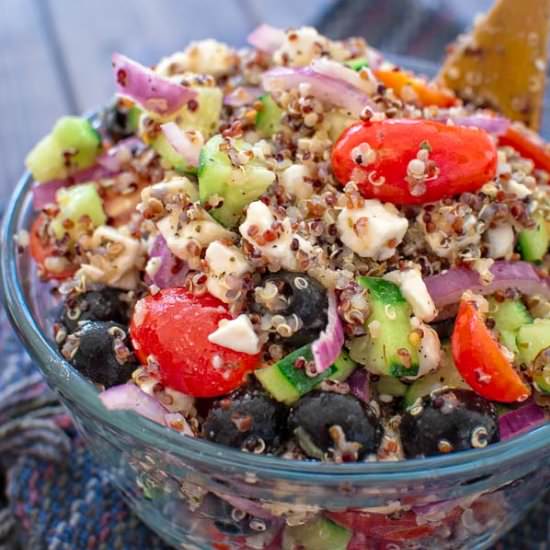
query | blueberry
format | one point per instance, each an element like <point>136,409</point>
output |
<point>104,304</point>
<point>250,420</point>
<point>302,296</point>
<point>447,421</point>
<point>230,520</point>
<point>99,350</point>
<point>118,121</point>
<point>341,425</point>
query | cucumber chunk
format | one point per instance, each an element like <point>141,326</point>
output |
<point>205,118</point>
<point>388,385</point>
<point>45,161</point>
<point>287,384</point>
<point>237,186</point>
<point>75,204</point>
<point>268,120</point>
<point>533,243</point>
<point>446,376</point>
<point>72,145</point>
<point>533,339</point>
<point>357,64</point>
<point>319,534</point>
<point>390,351</point>
<point>509,316</point>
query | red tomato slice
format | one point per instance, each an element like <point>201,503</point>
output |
<point>174,326</point>
<point>480,359</point>
<point>41,249</point>
<point>463,159</point>
<point>528,144</point>
<point>382,527</point>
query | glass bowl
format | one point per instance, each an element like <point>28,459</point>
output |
<point>198,495</point>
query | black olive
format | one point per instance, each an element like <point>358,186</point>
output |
<point>250,421</point>
<point>102,352</point>
<point>447,421</point>
<point>117,121</point>
<point>304,297</point>
<point>104,304</point>
<point>230,520</point>
<point>325,422</point>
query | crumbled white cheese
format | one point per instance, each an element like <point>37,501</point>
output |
<point>429,352</point>
<point>520,190</point>
<point>501,241</point>
<point>223,260</point>
<point>170,189</point>
<point>300,47</point>
<point>237,334</point>
<point>372,231</point>
<point>202,232</point>
<point>120,270</point>
<point>203,57</point>
<point>259,218</point>
<point>414,290</point>
<point>293,180</point>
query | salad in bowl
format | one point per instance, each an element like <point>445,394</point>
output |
<point>301,250</point>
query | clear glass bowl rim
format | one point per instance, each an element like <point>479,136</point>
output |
<point>75,387</point>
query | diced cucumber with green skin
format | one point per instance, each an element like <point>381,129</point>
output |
<point>45,161</point>
<point>74,203</point>
<point>533,339</point>
<point>72,145</point>
<point>287,384</point>
<point>319,534</point>
<point>391,351</point>
<point>238,186</point>
<point>533,243</point>
<point>205,118</point>
<point>171,156</point>
<point>268,120</point>
<point>446,376</point>
<point>357,64</point>
<point>388,385</point>
<point>509,316</point>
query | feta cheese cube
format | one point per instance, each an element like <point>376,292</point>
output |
<point>223,260</point>
<point>414,290</point>
<point>294,182</point>
<point>237,334</point>
<point>372,231</point>
<point>501,241</point>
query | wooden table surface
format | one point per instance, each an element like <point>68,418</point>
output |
<point>55,54</point>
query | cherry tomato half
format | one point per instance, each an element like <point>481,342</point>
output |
<point>173,326</point>
<point>382,527</point>
<point>378,155</point>
<point>480,359</point>
<point>529,144</point>
<point>40,249</point>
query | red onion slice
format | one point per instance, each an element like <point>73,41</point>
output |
<point>153,92</point>
<point>492,124</point>
<point>242,95</point>
<point>325,88</point>
<point>129,397</point>
<point>188,148</point>
<point>520,420</point>
<point>44,193</point>
<point>447,288</point>
<point>171,271</point>
<point>114,158</point>
<point>328,346</point>
<point>359,384</point>
<point>266,38</point>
